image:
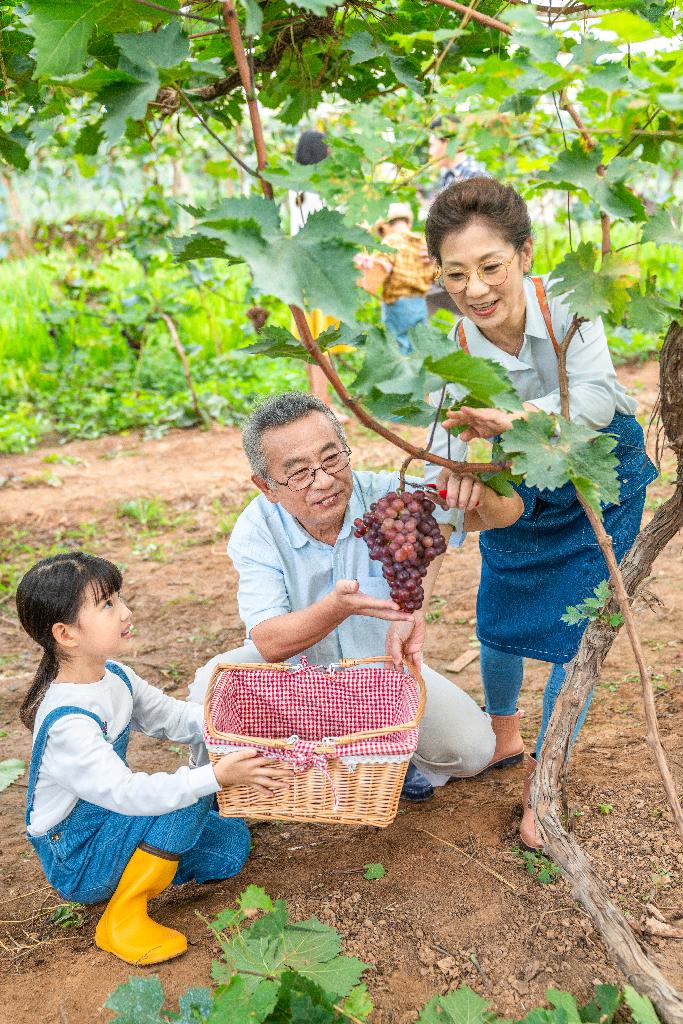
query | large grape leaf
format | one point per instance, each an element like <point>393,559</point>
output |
<point>13,149</point>
<point>579,455</point>
<point>577,168</point>
<point>240,1003</point>
<point>586,294</point>
<point>142,55</point>
<point>665,227</point>
<point>462,1006</point>
<point>479,382</point>
<point>138,1001</point>
<point>313,269</point>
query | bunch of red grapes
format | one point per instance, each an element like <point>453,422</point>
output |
<point>401,532</point>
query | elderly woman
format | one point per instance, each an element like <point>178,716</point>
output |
<point>479,233</point>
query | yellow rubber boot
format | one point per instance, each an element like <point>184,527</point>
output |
<point>509,743</point>
<point>125,929</point>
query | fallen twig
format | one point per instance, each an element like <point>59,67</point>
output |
<point>470,856</point>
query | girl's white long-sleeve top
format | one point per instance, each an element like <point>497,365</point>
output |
<point>80,764</point>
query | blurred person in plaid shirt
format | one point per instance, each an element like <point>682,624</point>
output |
<point>405,275</point>
<point>307,586</point>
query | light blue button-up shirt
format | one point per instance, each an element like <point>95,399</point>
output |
<point>283,569</point>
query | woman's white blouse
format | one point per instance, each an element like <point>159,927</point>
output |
<point>80,764</point>
<point>594,391</point>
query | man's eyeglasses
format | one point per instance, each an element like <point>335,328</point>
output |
<point>303,478</point>
<point>492,273</point>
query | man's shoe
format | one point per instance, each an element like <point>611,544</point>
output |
<point>416,788</point>
<point>509,743</point>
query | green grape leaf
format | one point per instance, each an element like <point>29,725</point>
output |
<point>500,482</point>
<point>362,47</point>
<point>579,455</point>
<point>138,1001</point>
<point>254,898</point>
<point>649,312</point>
<point>665,227</point>
<point>10,771</point>
<point>642,1010</point>
<point>309,942</point>
<point>336,977</point>
<point>566,1002</point>
<point>586,293</point>
<point>319,7</point>
<point>313,269</point>
<point>479,382</point>
<point>373,871</point>
<point>62,33</point>
<point>195,1006</point>
<point>603,1006</point>
<point>463,1006</point>
<point>301,1001</point>
<point>254,17</point>
<point>142,55</point>
<point>242,1003</point>
<point>13,151</point>
<point>358,1003</point>
<point>577,168</point>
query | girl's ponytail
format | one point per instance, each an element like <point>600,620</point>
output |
<point>47,672</point>
<point>53,591</point>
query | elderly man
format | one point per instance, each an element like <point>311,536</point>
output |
<point>307,586</point>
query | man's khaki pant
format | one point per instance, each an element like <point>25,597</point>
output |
<point>456,739</point>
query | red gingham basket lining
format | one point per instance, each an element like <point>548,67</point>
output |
<point>314,704</point>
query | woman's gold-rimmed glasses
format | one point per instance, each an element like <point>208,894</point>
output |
<point>492,272</point>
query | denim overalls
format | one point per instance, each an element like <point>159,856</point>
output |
<point>84,856</point>
<point>550,558</point>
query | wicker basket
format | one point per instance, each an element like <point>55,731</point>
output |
<point>366,794</point>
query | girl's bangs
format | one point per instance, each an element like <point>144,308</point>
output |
<point>105,579</point>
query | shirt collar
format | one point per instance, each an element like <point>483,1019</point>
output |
<point>534,328</point>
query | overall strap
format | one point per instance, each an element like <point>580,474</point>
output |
<point>114,667</point>
<point>545,310</point>
<point>462,338</point>
<point>39,746</point>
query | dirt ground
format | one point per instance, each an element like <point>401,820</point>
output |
<point>457,903</point>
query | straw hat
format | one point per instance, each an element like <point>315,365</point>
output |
<point>399,211</point>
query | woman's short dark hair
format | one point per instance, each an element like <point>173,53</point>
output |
<point>311,148</point>
<point>480,198</point>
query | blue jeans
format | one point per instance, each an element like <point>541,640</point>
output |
<point>401,315</point>
<point>502,675</point>
<point>85,855</point>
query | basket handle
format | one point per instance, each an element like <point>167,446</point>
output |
<point>321,748</point>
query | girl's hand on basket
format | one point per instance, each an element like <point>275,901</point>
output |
<point>405,640</point>
<point>249,768</point>
<point>350,600</point>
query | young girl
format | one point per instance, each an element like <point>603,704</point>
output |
<point>102,831</point>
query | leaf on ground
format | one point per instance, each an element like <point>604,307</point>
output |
<point>373,871</point>
<point>338,976</point>
<point>241,1003</point>
<point>10,771</point>
<point>254,898</point>
<point>603,1006</point>
<point>138,1001</point>
<point>463,1006</point>
<point>642,1010</point>
<point>358,1003</point>
<point>566,1002</point>
<point>309,942</point>
<point>195,1006</point>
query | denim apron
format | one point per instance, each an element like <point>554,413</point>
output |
<point>550,558</point>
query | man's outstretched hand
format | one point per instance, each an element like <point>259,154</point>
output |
<point>349,598</point>
<point>405,640</point>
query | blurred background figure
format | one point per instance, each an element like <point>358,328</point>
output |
<point>311,149</point>
<point>404,276</point>
<point>453,166</point>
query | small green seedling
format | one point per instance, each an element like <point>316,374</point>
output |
<point>373,871</point>
<point>68,915</point>
<point>540,867</point>
<point>593,609</point>
<point>605,808</point>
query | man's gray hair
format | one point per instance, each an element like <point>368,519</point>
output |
<point>280,411</point>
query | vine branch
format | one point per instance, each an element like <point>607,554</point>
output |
<point>473,15</point>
